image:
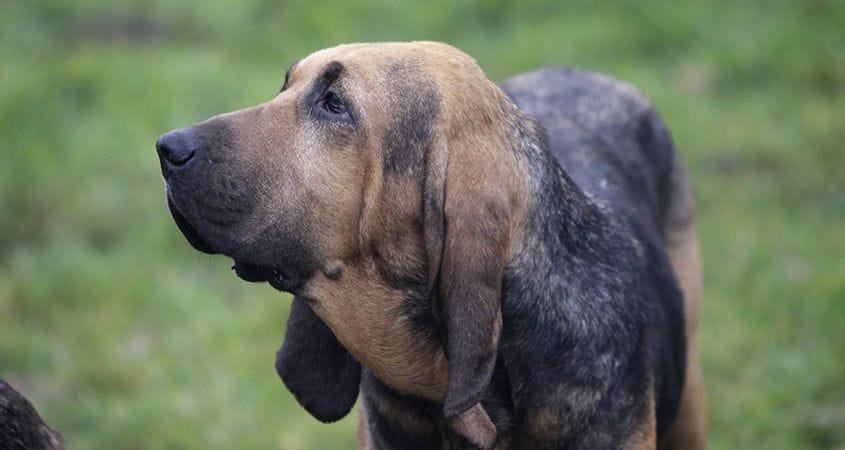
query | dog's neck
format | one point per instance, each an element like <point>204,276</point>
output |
<point>369,318</point>
<point>565,231</point>
<point>392,326</point>
<point>562,212</point>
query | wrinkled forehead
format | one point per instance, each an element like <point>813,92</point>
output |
<point>370,65</point>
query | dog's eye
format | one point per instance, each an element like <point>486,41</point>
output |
<point>333,104</point>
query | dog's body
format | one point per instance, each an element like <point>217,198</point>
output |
<point>502,283</point>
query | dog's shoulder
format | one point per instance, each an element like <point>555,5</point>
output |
<point>610,302</point>
<point>605,134</point>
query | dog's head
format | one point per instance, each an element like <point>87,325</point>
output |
<point>379,187</point>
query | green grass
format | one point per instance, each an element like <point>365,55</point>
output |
<point>124,337</point>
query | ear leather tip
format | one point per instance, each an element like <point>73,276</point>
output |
<point>475,426</point>
<point>318,371</point>
<point>453,410</point>
<point>462,395</point>
<point>327,407</point>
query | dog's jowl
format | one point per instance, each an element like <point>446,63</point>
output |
<point>511,266</point>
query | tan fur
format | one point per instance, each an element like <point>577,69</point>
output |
<point>645,437</point>
<point>407,420</point>
<point>543,423</point>
<point>690,429</point>
<point>367,319</point>
<point>476,426</point>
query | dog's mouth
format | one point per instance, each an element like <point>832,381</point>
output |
<point>283,279</point>
<point>288,280</point>
<point>188,230</point>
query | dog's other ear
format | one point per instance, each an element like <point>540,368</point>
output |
<point>315,367</point>
<point>467,227</point>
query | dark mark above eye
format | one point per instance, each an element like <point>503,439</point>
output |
<point>287,76</point>
<point>331,73</point>
<point>415,104</point>
<point>326,100</point>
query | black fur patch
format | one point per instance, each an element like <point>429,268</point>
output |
<point>614,311</point>
<point>389,413</point>
<point>315,367</point>
<point>330,74</point>
<point>418,307</point>
<point>414,105</point>
<point>287,76</point>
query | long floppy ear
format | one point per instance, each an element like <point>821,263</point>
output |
<point>467,226</point>
<point>315,367</point>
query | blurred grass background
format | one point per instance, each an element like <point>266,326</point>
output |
<point>124,337</point>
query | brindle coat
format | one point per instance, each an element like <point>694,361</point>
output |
<point>498,267</point>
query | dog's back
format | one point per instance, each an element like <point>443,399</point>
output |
<point>611,142</point>
<point>605,135</point>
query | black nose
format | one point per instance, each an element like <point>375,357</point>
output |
<point>176,148</point>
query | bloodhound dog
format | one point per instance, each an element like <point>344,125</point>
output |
<point>485,266</point>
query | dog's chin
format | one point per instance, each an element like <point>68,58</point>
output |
<point>284,279</point>
<point>287,280</point>
<point>188,230</point>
